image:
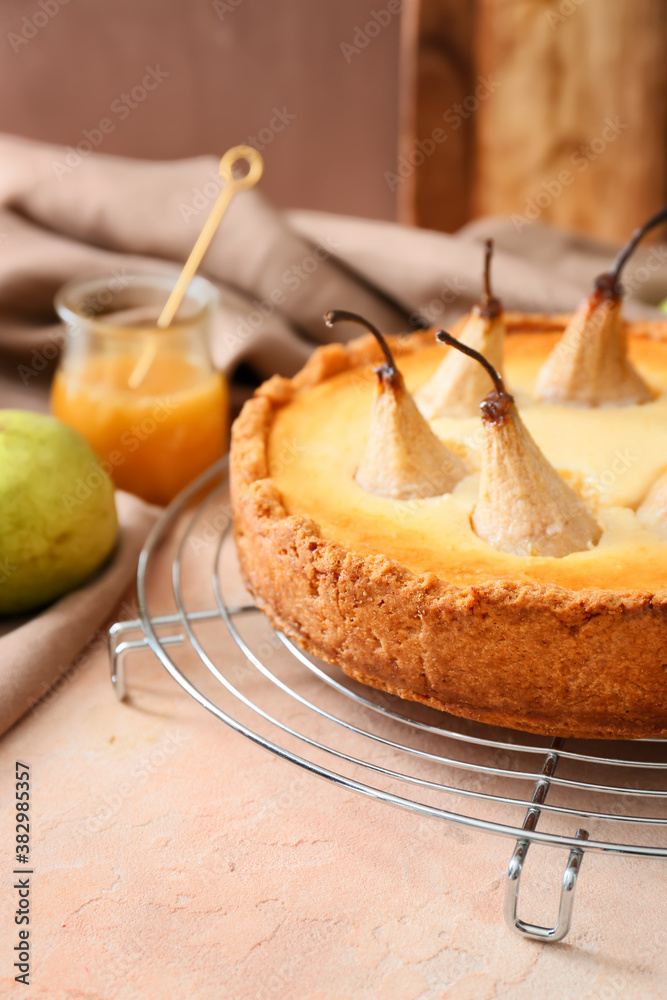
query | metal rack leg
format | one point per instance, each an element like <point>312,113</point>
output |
<point>535,931</point>
<point>118,646</point>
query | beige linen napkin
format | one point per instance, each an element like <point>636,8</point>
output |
<point>109,214</point>
<point>35,654</point>
<point>277,273</point>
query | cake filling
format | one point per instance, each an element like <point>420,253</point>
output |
<point>612,458</point>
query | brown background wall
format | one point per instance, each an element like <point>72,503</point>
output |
<point>333,65</point>
<point>228,68</point>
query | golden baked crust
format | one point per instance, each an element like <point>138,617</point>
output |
<point>541,658</point>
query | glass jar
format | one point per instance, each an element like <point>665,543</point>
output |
<point>148,400</point>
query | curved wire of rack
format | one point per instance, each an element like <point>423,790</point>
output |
<point>369,742</point>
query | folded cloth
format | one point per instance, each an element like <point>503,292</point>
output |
<point>35,654</point>
<point>278,273</point>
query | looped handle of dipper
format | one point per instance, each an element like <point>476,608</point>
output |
<point>234,157</point>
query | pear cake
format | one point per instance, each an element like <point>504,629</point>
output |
<point>499,551</point>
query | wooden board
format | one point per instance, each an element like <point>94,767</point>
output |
<point>574,132</point>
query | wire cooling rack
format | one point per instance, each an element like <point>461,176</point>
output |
<point>577,795</point>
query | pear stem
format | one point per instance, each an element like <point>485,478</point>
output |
<point>389,369</point>
<point>488,254</point>
<point>614,273</point>
<point>489,305</point>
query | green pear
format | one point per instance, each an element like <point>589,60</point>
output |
<point>57,513</point>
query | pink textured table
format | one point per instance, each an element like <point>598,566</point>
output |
<point>173,858</point>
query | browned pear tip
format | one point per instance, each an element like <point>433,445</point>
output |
<point>496,407</point>
<point>606,286</point>
<point>389,379</point>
